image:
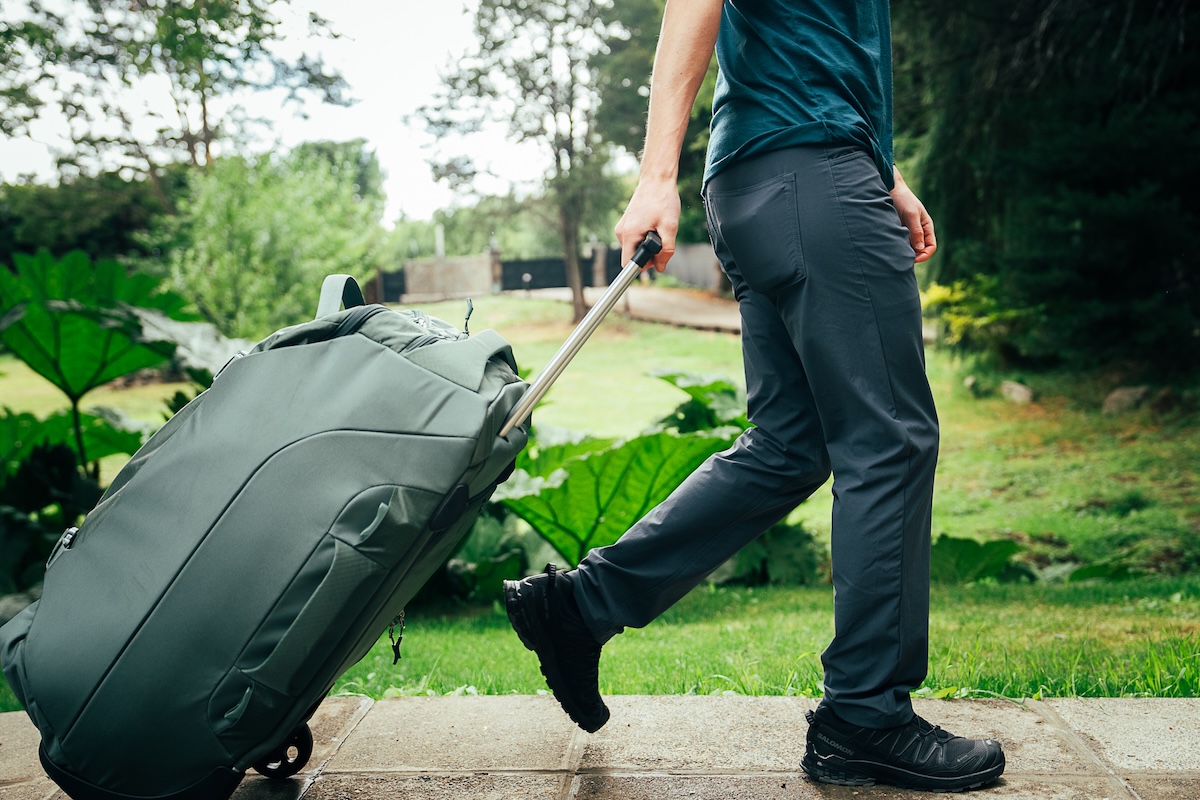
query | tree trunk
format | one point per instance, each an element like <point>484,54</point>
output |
<point>570,240</point>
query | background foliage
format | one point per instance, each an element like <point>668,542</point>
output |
<point>1055,145</point>
<point>83,59</point>
<point>253,239</point>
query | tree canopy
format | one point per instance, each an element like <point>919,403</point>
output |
<point>189,62</point>
<point>1056,147</point>
<point>254,238</point>
<point>530,71</point>
<point>623,71</point>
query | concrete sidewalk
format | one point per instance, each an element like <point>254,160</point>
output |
<point>671,748</point>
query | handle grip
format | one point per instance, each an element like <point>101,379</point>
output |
<point>649,247</point>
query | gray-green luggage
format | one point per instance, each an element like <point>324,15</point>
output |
<point>261,541</point>
<point>255,548</point>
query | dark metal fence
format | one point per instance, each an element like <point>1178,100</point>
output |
<point>535,273</point>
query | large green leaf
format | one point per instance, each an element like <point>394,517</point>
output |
<point>72,321</point>
<point>21,433</point>
<point>548,448</point>
<point>590,500</point>
<point>957,560</point>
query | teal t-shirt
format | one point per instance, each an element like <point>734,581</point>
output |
<point>801,72</point>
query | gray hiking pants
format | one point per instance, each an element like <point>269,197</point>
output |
<point>835,375</point>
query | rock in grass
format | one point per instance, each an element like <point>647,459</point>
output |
<point>1017,393</point>
<point>1124,399</point>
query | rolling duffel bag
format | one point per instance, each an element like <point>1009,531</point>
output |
<point>260,542</point>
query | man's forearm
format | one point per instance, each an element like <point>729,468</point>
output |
<point>685,47</point>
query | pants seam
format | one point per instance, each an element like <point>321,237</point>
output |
<point>835,184</point>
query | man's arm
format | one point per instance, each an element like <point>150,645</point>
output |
<point>685,48</point>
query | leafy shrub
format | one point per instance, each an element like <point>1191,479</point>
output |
<point>787,554</point>
<point>713,402</point>
<point>254,238</point>
<point>491,553</point>
<point>972,316</point>
<point>955,560</point>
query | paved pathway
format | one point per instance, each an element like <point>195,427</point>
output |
<point>685,748</point>
<point>689,308</point>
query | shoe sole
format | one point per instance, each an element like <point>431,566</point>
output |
<point>525,629</point>
<point>837,770</point>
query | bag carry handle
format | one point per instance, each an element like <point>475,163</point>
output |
<point>338,291</point>
<point>645,251</point>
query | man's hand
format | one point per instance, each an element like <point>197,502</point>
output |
<point>653,207</point>
<point>914,217</point>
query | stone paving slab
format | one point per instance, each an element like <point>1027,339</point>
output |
<point>686,748</point>
<point>796,787</point>
<point>438,787</point>
<point>699,734</point>
<point>421,734</point>
<point>1143,733</point>
<point>21,775</point>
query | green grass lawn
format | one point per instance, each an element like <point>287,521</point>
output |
<point>1056,475</point>
<point>1111,639</point>
<point>1053,475</point>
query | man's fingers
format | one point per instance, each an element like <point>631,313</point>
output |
<point>659,262</point>
<point>916,234</point>
<point>920,234</point>
<point>928,240</point>
<point>630,240</point>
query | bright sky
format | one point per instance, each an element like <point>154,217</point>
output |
<point>391,54</point>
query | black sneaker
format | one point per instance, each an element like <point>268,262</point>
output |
<point>543,613</point>
<point>913,756</point>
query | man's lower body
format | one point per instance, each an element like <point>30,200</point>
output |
<point>835,377</point>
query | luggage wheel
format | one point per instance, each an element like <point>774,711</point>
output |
<point>290,757</point>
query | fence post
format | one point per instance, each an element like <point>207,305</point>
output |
<point>599,263</point>
<point>497,266</point>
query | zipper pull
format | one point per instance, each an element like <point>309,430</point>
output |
<point>396,640</point>
<point>233,358</point>
<point>467,319</point>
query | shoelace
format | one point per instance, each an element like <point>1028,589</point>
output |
<point>925,729</point>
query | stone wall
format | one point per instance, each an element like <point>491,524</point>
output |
<point>695,265</point>
<point>448,277</point>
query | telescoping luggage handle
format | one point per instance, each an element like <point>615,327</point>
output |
<point>645,251</point>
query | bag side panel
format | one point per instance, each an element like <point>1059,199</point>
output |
<point>154,549</point>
